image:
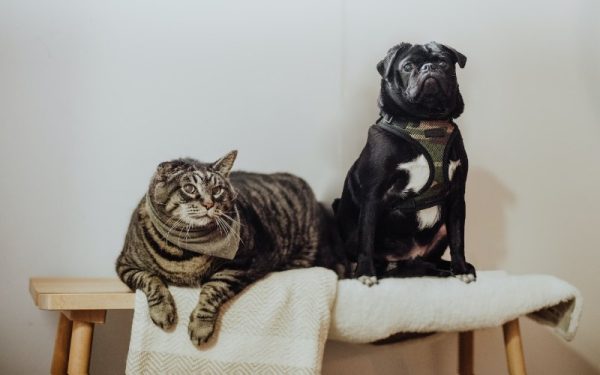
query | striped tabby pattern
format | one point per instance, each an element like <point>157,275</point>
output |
<point>269,222</point>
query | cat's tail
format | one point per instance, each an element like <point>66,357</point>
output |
<point>331,253</point>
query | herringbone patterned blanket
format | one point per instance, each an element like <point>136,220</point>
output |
<point>277,326</point>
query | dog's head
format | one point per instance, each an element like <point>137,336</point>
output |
<point>419,81</point>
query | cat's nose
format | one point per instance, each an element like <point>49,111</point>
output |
<point>208,203</point>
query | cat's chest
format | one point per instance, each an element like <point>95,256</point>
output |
<point>174,264</point>
<point>184,272</point>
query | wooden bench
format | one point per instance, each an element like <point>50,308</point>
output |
<point>84,302</point>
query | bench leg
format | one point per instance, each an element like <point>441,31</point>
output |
<point>465,353</point>
<point>81,347</point>
<point>514,348</point>
<point>74,341</point>
<point>61,346</point>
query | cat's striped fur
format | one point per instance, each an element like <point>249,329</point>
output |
<point>273,219</point>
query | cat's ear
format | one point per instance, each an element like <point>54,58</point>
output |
<point>160,192</point>
<point>224,165</point>
<point>163,173</point>
<point>166,169</point>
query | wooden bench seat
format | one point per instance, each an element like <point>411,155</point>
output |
<point>107,293</point>
<point>84,302</point>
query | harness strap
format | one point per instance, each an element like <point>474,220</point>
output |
<point>433,138</point>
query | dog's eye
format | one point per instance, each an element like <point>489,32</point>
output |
<point>443,64</point>
<point>408,67</point>
<point>189,188</point>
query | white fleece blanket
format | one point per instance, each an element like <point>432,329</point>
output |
<point>280,324</point>
<point>277,326</point>
<point>427,304</point>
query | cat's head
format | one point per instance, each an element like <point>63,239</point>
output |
<point>193,193</point>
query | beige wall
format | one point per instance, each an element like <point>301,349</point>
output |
<point>94,94</point>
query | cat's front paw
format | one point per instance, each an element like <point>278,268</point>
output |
<point>200,330</point>
<point>164,315</point>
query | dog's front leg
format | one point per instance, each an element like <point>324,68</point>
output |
<point>456,238</point>
<point>367,223</point>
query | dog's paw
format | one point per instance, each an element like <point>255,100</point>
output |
<point>164,315</point>
<point>466,273</point>
<point>466,277</point>
<point>368,280</point>
<point>200,330</point>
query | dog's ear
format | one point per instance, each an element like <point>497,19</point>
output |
<point>457,57</point>
<point>385,67</point>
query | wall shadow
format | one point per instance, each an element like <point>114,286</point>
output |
<point>488,201</point>
<point>111,343</point>
<point>545,352</point>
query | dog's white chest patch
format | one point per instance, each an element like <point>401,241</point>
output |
<point>452,168</point>
<point>418,173</point>
<point>428,217</point>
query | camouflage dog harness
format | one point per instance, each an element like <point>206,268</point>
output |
<point>434,139</point>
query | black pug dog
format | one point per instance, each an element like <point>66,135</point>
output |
<point>403,198</point>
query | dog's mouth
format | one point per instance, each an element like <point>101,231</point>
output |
<point>428,87</point>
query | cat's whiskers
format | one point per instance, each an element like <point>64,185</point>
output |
<point>173,227</point>
<point>227,229</point>
<point>220,226</point>
<point>187,231</point>
<point>231,230</point>
<point>191,227</point>
<point>169,219</point>
<point>222,213</point>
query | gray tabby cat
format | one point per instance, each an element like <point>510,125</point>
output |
<point>200,225</point>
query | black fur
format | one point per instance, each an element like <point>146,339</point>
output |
<point>418,83</point>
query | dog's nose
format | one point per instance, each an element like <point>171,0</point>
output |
<point>427,67</point>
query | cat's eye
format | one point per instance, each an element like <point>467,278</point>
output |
<point>189,188</point>
<point>408,67</point>
<point>217,191</point>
